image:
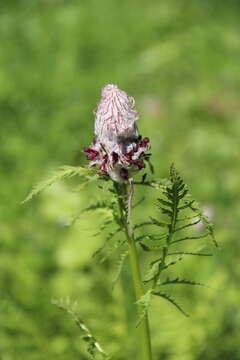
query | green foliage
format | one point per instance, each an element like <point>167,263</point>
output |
<point>154,183</point>
<point>120,264</point>
<point>189,253</point>
<point>173,204</point>
<point>204,219</point>
<point>171,300</point>
<point>63,173</point>
<point>169,281</point>
<point>153,271</point>
<point>99,205</point>
<point>93,347</point>
<point>111,220</point>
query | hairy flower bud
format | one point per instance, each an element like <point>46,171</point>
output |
<point>115,116</point>
<point>118,149</point>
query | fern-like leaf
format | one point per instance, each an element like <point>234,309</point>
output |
<point>153,271</point>
<point>153,246</point>
<point>154,237</point>
<point>154,221</point>
<point>138,226</point>
<point>188,225</point>
<point>197,237</point>
<point>100,205</point>
<point>208,225</point>
<point>171,300</point>
<point>64,172</point>
<point>108,247</point>
<point>154,183</point>
<point>171,263</point>
<point>169,281</point>
<point>187,204</point>
<point>165,203</point>
<point>97,206</point>
<point>189,253</point>
<point>120,264</point>
<point>175,200</point>
<point>93,347</point>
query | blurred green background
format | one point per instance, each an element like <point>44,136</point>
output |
<point>180,60</point>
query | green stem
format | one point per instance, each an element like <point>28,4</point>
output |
<point>125,213</point>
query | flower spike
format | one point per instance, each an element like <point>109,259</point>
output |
<point>117,149</point>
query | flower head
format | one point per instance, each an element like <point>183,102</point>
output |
<point>117,149</point>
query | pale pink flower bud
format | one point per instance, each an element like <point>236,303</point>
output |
<point>118,150</point>
<point>115,115</point>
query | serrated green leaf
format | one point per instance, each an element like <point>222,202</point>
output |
<point>93,347</point>
<point>173,172</point>
<point>187,225</point>
<point>168,195</point>
<point>165,203</point>
<point>155,183</point>
<point>64,172</point>
<point>166,211</point>
<point>152,221</point>
<point>98,205</point>
<point>152,272</point>
<point>197,237</point>
<point>171,263</point>
<point>171,300</point>
<point>100,255</point>
<point>186,205</point>
<point>209,226</point>
<point>186,218</point>
<point>169,190</point>
<point>184,193</point>
<point>145,247</point>
<point>169,281</point>
<point>189,253</point>
<point>120,264</point>
<point>153,246</point>
<point>180,186</point>
<point>104,225</point>
<point>158,223</point>
<point>153,237</point>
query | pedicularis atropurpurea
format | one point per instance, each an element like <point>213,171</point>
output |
<point>117,153</point>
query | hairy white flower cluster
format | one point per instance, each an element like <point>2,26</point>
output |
<point>117,149</point>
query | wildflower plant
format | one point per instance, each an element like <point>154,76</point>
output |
<point>116,154</point>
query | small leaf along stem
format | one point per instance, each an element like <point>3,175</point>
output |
<point>172,225</point>
<point>125,207</point>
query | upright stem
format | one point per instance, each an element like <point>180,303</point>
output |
<point>125,212</point>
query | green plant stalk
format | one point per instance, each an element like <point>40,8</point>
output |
<point>125,213</point>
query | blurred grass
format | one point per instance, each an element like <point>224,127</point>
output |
<point>180,60</point>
